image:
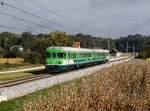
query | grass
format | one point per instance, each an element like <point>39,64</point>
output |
<point>15,63</point>
<point>7,77</point>
<point>11,60</point>
<point>18,103</point>
<point>148,59</point>
<point>124,87</point>
<point>7,66</point>
<point>14,76</point>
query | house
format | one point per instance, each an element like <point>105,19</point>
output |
<point>115,53</point>
<point>16,48</point>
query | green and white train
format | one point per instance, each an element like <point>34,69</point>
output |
<point>60,59</point>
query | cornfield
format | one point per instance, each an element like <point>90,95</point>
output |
<point>124,87</point>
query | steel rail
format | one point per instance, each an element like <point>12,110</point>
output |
<point>24,80</point>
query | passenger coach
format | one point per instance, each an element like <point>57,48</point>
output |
<point>66,58</point>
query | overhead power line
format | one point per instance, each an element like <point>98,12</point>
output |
<point>11,6</point>
<point>21,19</point>
<point>15,28</point>
<point>51,11</point>
<point>37,16</point>
<point>11,27</point>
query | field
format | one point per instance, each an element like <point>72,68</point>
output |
<point>124,87</point>
<point>15,63</point>
<point>11,60</point>
<point>8,77</point>
<point>10,63</point>
<point>7,64</point>
<point>148,59</point>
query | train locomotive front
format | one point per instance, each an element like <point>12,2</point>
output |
<point>55,60</point>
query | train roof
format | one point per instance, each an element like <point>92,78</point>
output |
<point>72,49</point>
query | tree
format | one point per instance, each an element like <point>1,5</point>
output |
<point>7,40</point>
<point>2,53</point>
<point>27,40</point>
<point>60,39</point>
<point>32,57</point>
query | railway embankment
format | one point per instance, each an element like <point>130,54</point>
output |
<point>11,92</point>
<point>121,87</point>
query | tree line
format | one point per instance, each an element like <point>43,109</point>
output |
<point>35,44</point>
<point>137,43</point>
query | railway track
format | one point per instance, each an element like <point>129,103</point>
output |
<point>38,77</point>
<point>23,80</point>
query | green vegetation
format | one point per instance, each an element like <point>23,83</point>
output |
<point>18,103</point>
<point>139,41</point>
<point>32,57</point>
<point>37,43</point>
<point>145,53</point>
<point>2,52</point>
<point>7,77</point>
<point>60,39</point>
<point>122,87</point>
<point>6,66</point>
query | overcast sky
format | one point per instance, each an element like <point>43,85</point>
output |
<point>96,17</point>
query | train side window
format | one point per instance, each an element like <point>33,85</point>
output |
<point>60,55</point>
<point>73,56</point>
<point>64,55</point>
<point>69,55</point>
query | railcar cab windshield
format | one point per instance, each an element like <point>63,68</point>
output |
<point>56,55</point>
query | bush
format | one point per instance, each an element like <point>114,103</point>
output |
<point>2,53</point>
<point>142,55</point>
<point>31,57</point>
<point>145,53</point>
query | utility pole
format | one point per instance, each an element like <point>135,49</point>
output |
<point>127,47</point>
<point>108,43</point>
<point>133,48</point>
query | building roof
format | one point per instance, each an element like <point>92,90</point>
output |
<point>16,46</point>
<point>114,50</point>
